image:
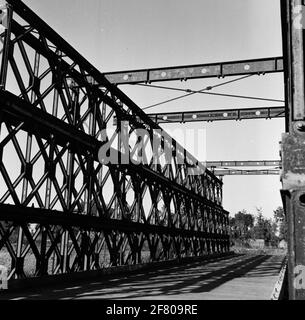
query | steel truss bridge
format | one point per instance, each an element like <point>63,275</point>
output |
<point>62,211</point>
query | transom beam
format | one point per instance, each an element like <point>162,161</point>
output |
<point>230,172</point>
<point>207,70</point>
<point>220,115</point>
<point>247,163</point>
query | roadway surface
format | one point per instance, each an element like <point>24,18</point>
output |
<point>241,277</point>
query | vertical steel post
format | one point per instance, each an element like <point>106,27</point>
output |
<point>293,142</point>
<point>6,47</point>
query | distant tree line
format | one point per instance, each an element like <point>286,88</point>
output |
<point>245,226</point>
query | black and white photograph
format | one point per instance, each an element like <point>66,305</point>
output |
<point>152,154</point>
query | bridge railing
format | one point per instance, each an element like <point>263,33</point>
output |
<point>76,193</point>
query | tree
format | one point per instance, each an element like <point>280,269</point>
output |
<point>281,222</point>
<point>265,229</point>
<point>245,226</point>
<point>259,228</point>
<point>241,225</point>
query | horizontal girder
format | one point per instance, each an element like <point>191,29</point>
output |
<point>219,115</point>
<point>241,163</point>
<point>206,70</point>
<point>52,217</point>
<point>255,172</point>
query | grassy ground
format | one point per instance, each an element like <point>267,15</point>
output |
<point>30,261</point>
<point>5,259</point>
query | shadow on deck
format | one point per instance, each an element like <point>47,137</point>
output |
<point>233,277</point>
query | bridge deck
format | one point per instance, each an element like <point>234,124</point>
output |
<point>241,277</point>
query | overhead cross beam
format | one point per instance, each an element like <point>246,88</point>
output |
<point>206,70</point>
<point>224,168</point>
<point>219,115</point>
<point>255,172</point>
<point>247,163</point>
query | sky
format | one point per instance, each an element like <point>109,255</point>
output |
<point>120,35</point>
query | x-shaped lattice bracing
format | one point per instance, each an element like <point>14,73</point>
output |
<point>54,109</point>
